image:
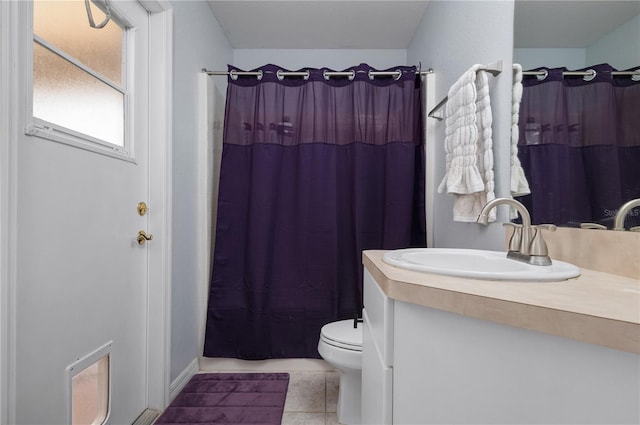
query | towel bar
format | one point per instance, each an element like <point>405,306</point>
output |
<point>493,68</point>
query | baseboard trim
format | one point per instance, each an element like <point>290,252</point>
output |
<point>178,384</point>
<point>147,417</point>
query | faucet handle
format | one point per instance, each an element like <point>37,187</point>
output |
<point>549,227</point>
<point>538,245</point>
<point>516,236</point>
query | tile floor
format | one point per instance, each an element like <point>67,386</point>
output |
<point>312,398</point>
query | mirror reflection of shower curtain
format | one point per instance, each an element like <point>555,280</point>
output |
<point>313,172</point>
<point>579,145</point>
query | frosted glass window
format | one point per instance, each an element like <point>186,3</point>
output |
<point>78,72</point>
<point>64,24</point>
<point>64,94</point>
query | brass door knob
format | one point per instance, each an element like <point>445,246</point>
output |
<point>143,237</point>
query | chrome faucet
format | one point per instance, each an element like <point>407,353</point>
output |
<point>618,223</point>
<point>526,244</point>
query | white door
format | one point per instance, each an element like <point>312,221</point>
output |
<point>82,277</point>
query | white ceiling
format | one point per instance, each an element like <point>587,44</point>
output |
<point>314,24</point>
<point>391,24</point>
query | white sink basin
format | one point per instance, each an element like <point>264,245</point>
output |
<point>477,264</point>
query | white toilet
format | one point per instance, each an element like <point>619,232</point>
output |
<point>340,345</point>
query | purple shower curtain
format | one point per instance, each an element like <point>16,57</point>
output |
<point>314,171</point>
<point>579,145</point>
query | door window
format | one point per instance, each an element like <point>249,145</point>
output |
<point>79,75</point>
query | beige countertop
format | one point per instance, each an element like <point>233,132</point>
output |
<point>596,307</point>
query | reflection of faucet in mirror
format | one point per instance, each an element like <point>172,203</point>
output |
<point>592,226</point>
<point>618,223</point>
<point>526,244</point>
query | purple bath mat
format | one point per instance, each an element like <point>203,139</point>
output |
<point>229,398</point>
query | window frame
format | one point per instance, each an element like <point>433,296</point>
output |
<point>47,130</point>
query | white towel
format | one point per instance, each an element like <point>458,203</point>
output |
<point>469,146</point>
<point>519,184</point>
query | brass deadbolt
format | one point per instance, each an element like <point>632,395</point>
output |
<point>142,208</point>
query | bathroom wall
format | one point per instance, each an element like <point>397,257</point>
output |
<point>620,48</point>
<point>452,37</point>
<point>199,42</point>
<point>533,57</point>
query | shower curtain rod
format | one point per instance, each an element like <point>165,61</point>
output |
<point>327,74</point>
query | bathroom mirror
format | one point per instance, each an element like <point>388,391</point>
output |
<point>577,35</point>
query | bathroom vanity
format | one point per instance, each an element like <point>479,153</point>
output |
<point>442,349</point>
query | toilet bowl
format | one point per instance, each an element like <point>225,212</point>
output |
<point>340,345</point>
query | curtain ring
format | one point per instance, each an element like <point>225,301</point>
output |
<point>351,76</point>
<point>259,76</point>
<point>636,75</point>
<point>590,76</point>
<point>307,75</point>
<point>543,76</point>
<point>396,74</point>
<point>279,75</point>
<point>107,17</point>
<point>233,75</point>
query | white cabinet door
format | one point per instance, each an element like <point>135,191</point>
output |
<point>453,369</point>
<point>377,355</point>
<point>377,381</point>
<point>380,310</point>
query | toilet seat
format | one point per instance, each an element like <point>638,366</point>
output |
<point>342,334</point>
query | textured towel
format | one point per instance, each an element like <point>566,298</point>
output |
<point>469,146</point>
<point>519,184</point>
